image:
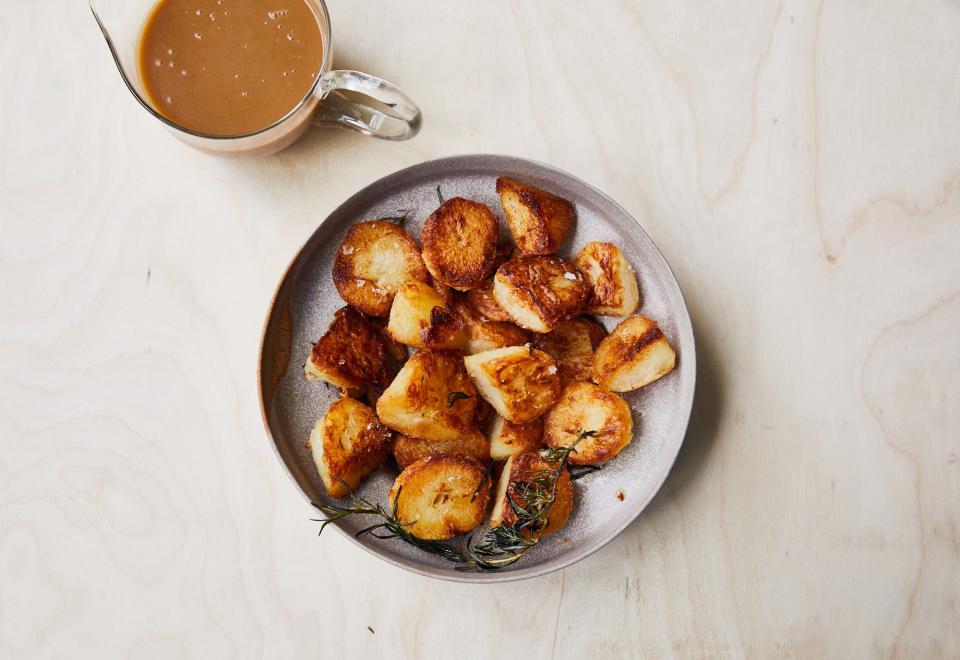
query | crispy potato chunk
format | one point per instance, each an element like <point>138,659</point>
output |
<point>373,261</point>
<point>539,292</point>
<point>521,469</point>
<point>521,383</point>
<point>348,443</point>
<point>440,497</point>
<point>422,401</point>
<point>485,335</point>
<point>482,300</point>
<point>635,354</point>
<point>420,318</point>
<point>587,407</point>
<point>460,243</point>
<point>408,450</point>
<point>353,354</point>
<point>613,284</point>
<point>507,438</point>
<point>538,220</point>
<point>572,343</point>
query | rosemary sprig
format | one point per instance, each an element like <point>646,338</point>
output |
<point>499,547</point>
<point>389,526</point>
<point>439,195</point>
<point>506,544</point>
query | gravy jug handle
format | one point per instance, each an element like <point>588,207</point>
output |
<point>367,104</point>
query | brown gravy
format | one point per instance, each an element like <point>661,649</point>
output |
<point>228,67</point>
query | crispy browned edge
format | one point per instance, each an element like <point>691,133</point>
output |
<point>517,272</point>
<point>458,267</point>
<point>444,325</point>
<point>615,349</point>
<point>407,449</point>
<point>555,215</point>
<point>471,318</point>
<point>362,347</point>
<point>603,293</point>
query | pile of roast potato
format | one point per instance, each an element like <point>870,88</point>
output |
<point>506,359</point>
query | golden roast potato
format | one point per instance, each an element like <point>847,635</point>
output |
<point>635,354</point>
<point>348,443</point>
<point>538,292</point>
<point>538,220</point>
<point>613,284</point>
<point>521,469</point>
<point>353,354</point>
<point>460,243</point>
<point>584,406</point>
<point>521,383</point>
<point>432,397</point>
<point>440,497</point>
<point>374,259</point>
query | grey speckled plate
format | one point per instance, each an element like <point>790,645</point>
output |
<point>606,501</point>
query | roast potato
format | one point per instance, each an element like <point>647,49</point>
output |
<point>420,318</point>
<point>374,259</point>
<point>572,343</point>
<point>440,497</point>
<point>460,243</point>
<point>507,438</point>
<point>613,284</point>
<point>353,354</point>
<point>521,469</point>
<point>585,407</point>
<point>432,397</point>
<point>538,220</point>
<point>348,443</point>
<point>635,354</point>
<point>485,335</point>
<point>521,383</point>
<point>539,291</point>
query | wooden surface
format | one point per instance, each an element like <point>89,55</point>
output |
<point>799,166</point>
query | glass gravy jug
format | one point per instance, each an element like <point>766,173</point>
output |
<point>353,99</point>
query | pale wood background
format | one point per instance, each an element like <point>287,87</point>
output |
<point>797,163</point>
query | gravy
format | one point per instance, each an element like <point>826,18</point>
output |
<point>228,67</point>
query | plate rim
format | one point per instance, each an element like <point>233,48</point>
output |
<point>564,560</point>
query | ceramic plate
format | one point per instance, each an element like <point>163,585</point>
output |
<point>606,501</point>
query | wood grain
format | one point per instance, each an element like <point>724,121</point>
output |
<point>798,165</point>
